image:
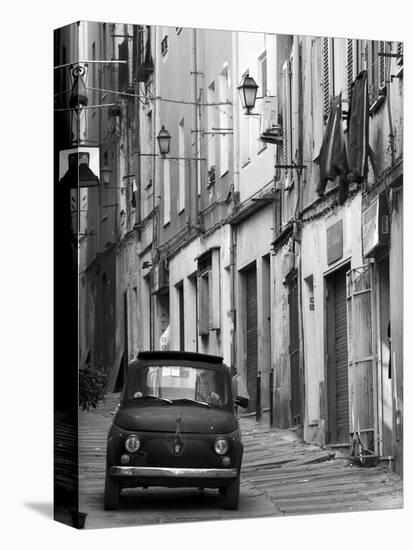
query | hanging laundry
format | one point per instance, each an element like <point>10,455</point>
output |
<point>358,130</point>
<point>332,158</point>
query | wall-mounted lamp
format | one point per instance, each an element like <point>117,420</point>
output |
<point>105,172</point>
<point>164,142</point>
<point>248,93</point>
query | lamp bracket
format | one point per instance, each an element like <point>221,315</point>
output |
<point>290,166</point>
<point>166,157</point>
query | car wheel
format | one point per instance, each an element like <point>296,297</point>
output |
<point>112,490</point>
<point>232,494</point>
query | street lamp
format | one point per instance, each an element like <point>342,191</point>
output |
<point>248,93</point>
<point>164,140</point>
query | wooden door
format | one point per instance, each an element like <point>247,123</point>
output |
<point>295,402</point>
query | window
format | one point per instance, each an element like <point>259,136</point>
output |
<point>166,192</point>
<point>94,75</point>
<point>209,292</point>
<point>263,73</point>
<point>164,45</point>
<point>335,78</point>
<point>178,30</point>
<point>181,167</point>
<point>224,121</point>
<point>355,62</point>
<point>175,382</point>
<point>376,68</point>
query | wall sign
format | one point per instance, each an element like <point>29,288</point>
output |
<point>335,242</point>
<point>376,226</point>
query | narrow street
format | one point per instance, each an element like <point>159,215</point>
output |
<point>280,476</point>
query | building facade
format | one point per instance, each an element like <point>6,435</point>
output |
<point>271,237</point>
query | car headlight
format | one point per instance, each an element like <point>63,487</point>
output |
<point>132,443</point>
<point>221,445</point>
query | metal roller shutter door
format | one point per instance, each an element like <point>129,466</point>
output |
<point>252,336</point>
<point>342,408</point>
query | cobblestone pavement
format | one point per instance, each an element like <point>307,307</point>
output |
<point>281,475</point>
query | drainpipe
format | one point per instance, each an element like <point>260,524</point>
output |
<point>298,127</point>
<point>233,228</point>
<point>195,127</point>
<point>155,210</point>
<point>296,118</point>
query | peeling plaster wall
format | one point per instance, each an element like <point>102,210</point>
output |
<point>314,264</point>
<point>396,316</point>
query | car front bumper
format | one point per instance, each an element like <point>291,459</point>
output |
<point>173,473</point>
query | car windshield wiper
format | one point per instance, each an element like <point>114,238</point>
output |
<point>149,396</point>
<point>188,400</point>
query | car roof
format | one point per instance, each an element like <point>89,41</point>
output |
<point>179,355</point>
<point>184,357</point>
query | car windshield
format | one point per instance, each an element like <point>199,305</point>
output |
<point>174,383</point>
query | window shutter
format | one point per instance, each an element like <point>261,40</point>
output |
<point>400,53</point>
<point>382,65</point>
<point>327,81</point>
<point>350,67</point>
<point>286,113</point>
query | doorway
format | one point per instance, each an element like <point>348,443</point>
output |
<point>294,353</point>
<point>252,335</point>
<point>337,358</point>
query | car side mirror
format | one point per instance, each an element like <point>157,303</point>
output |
<point>241,401</point>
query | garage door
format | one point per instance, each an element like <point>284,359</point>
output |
<point>252,336</point>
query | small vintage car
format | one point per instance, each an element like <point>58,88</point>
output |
<point>175,426</point>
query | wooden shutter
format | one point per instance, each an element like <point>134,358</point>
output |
<point>350,66</point>
<point>361,359</point>
<point>286,113</point>
<point>400,53</point>
<point>382,65</point>
<point>328,84</point>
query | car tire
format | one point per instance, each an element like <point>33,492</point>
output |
<point>111,496</point>
<point>232,494</point>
